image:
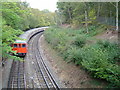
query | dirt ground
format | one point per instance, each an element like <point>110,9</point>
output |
<point>112,36</point>
<point>70,75</point>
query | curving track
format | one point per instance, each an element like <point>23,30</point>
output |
<point>39,75</point>
<point>43,78</point>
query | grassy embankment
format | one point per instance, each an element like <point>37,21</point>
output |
<point>98,57</point>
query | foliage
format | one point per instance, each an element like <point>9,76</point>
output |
<point>79,41</point>
<point>18,16</point>
<point>9,35</point>
<point>101,58</point>
<point>112,49</point>
<point>87,13</point>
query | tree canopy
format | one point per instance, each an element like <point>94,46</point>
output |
<point>80,13</point>
<point>18,17</point>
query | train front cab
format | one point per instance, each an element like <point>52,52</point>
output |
<point>20,48</point>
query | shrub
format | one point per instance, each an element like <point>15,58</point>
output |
<point>79,41</point>
<point>94,30</point>
<point>112,49</point>
<point>97,61</point>
<point>74,55</point>
<point>100,58</point>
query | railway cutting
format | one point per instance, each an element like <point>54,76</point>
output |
<point>33,72</point>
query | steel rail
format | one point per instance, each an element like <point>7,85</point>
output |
<point>41,65</point>
<point>47,69</point>
<point>17,74</point>
<point>17,77</point>
<point>36,61</point>
<point>36,67</point>
<point>31,83</point>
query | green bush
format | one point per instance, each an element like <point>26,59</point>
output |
<point>97,61</point>
<point>80,41</point>
<point>94,30</point>
<point>112,49</point>
<point>74,55</point>
<point>100,58</point>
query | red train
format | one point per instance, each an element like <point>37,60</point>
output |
<point>20,47</point>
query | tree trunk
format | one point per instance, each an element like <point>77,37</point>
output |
<point>69,13</point>
<point>86,24</point>
<point>98,11</point>
<point>116,16</point>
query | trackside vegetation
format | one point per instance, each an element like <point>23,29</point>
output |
<point>100,58</point>
<point>17,17</point>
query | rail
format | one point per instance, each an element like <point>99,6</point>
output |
<point>43,77</point>
<point>40,66</point>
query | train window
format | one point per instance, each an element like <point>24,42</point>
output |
<point>15,45</point>
<point>23,45</point>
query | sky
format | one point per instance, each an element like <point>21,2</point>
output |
<point>43,4</point>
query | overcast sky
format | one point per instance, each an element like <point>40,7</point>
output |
<point>43,4</point>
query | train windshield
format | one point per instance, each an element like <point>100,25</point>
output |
<point>15,45</point>
<point>23,45</point>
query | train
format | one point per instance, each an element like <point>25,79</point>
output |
<point>20,46</point>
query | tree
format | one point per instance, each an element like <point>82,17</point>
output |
<point>18,17</point>
<point>88,13</point>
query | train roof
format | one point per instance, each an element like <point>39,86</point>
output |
<point>20,41</point>
<point>26,34</point>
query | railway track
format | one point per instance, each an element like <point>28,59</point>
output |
<point>17,76</point>
<point>42,77</point>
